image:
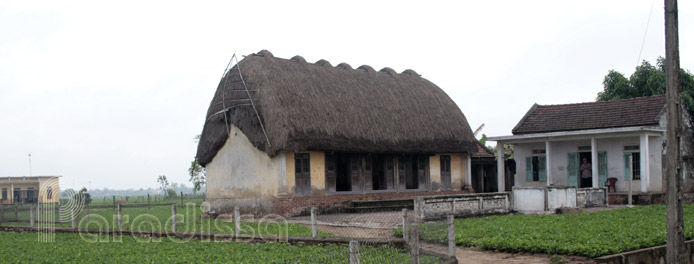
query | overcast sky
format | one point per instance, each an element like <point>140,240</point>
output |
<point>113,92</point>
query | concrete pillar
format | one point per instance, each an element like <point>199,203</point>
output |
<point>500,169</point>
<point>548,166</point>
<point>468,172</point>
<point>645,167</point>
<point>593,162</point>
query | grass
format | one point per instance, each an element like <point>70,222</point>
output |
<point>588,234</point>
<point>24,248</point>
<point>188,219</point>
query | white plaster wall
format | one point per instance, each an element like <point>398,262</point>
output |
<point>525,200</point>
<point>239,170</point>
<point>561,198</point>
<point>615,160</point>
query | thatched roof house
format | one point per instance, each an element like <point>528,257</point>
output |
<point>333,113</point>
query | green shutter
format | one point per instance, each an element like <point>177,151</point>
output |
<point>529,169</point>
<point>602,168</point>
<point>627,171</point>
<point>572,169</point>
<point>543,168</point>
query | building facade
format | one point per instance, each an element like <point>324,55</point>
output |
<point>29,190</point>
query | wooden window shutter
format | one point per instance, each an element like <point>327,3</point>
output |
<point>355,171</point>
<point>543,168</point>
<point>572,169</point>
<point>529,169</point>
<point>627,166</point>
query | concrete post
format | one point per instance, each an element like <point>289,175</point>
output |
<point>354,252</point>
<point>237,219</point>
<point>314,232</point>
<point>594,162</point>
<point>548,166</point>
<point>414,249</point>
<point>72,216</point>
<point>500,168</point>
<point>173,217</point>
<point>120,217</point>
<point>404,225</point>
<point>31,216</point>
<point>451,236</point>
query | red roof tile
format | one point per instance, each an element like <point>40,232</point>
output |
<point>482,152</point>
<point>641,111</point>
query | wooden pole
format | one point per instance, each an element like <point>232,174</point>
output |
<point>405,235</point>
<point>181,199</point>
<point>237,220</point>
<point>120,218</point>
<point>31,216</point>
<point>87,216</point>
<point>173,217</point>
<point>451,235</point>
<point>354,252</point>
<point>149,203</point>
<point>675,213</point>
<point>16,213</point>
<point>314,232</point>
<point>72,216</point>
<point>114,202</point>
<point>414,248</point>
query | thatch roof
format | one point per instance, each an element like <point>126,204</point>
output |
<point>306,106</point>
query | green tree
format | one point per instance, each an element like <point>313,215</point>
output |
<point>163,183</point>
<point>196,172</point>
<point>647,80</point>
<point>83,196</point>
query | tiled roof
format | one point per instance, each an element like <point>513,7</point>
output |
<point>482,152</point>
<point>641,111</point>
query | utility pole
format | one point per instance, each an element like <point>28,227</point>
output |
<point>673,157</point>
<point>29,164</point>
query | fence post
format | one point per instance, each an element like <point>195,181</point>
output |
<point>173,217</point>
<point>354,252</point>
<point>1,213</point>
<point>87,216</point>
<point>451,235</point>
<point>405,234</point>
<point>16,214</point>
<point>237,219</point>
<point>72,217</point>
<point>181,199</point>
<point>114,202</point>
<point>120,218</point>
<point>149,203</point>
<point>414,249</point>
<point>314,232</point>
<point>31,216</point>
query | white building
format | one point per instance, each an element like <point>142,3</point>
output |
<point>620,139</point>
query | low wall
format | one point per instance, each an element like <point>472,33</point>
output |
<point>591,197</point>
<point>437,207</point>
<point>646,255</point>
<point>538,199</point>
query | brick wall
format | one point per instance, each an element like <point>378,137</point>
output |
<point>291,206</point>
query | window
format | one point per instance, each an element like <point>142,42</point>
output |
<point>445,172</point>
<point>632,165</point>
<point>49,192</point>
<point>536,168</point>
<point>4,194</point>
<point>636,166</point>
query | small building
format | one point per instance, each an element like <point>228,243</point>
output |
<point>284,135</point>
<point>622,139</point>
<point>29,189</point>
<point>483,170</point>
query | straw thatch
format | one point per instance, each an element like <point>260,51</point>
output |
<point>306,106</point>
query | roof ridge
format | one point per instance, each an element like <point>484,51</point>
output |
<point>324,63</point>
<point>605,102</point>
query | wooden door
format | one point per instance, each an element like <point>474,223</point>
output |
<point>368,176</point>
<point>355,172</point>
<point>422,179</point>
<point>402,184</point>
<point>572,169</point>
<point>302,176</point>
<point>330,172</point>
<point>445,172</point>
<point>390,172</point>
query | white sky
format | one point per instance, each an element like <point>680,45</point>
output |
<point>113,92</point>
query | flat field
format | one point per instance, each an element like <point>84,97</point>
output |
<point>587,234</point>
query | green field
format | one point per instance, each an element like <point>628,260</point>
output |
<point>587,234</point>
<point>159,218</point>
<point>25,248</point>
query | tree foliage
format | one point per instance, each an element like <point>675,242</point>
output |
<point>163,183</point>
<point>196,172</point>
<point>647,80</point>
